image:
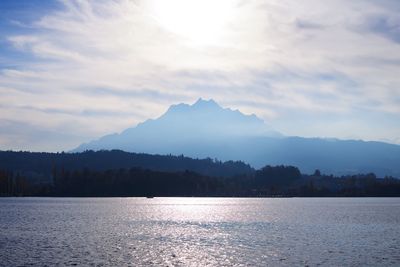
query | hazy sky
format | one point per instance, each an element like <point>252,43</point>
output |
<point>71,71</point>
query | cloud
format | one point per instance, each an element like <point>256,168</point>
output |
<point>26,136</point>
<point>103,66</point>
<point>303,24</point>
<point>388,27</point>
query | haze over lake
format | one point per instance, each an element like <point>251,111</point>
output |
<point>200,231</point>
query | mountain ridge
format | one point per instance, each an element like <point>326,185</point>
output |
<point>205,129</point>
<point>181,117</point>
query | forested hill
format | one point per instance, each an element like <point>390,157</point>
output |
<point>118,173</point>
<point>42,163</point>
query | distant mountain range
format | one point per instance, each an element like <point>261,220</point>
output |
<point>205,129</point>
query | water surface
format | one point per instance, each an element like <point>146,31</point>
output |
<point>200,231</point>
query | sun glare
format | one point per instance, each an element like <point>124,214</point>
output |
<point>199,22</point>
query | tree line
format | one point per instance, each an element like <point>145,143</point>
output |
<point>270,181</point>
<point>42,163</point>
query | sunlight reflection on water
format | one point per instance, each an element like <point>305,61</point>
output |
<point>199,231</point>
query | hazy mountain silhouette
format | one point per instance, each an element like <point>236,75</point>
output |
<point>205,129</point>
<point>185,129</point>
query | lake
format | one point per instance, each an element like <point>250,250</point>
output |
<point>200,231</point>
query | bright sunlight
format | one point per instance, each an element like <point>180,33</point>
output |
<point>199,23</point>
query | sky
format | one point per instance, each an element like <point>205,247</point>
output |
<point>72,71</point>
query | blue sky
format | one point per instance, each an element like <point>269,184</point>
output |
<point>71,71</point>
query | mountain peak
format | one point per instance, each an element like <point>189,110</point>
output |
<point>200,105</point>
<point>185,125</point>
<point>206,119</point>
<point>205,103</point>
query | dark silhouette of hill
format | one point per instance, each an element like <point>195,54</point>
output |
<point>139,182</point>
<point>205,129</point>
<point>41,163</point>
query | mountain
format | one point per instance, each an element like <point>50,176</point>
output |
<point>184,127</point>
<point>205,129</point>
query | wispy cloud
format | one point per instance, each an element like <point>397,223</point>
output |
<point>106,65</point>
<point>380,24</point>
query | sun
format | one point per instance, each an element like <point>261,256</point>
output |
<point>199,22</point>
